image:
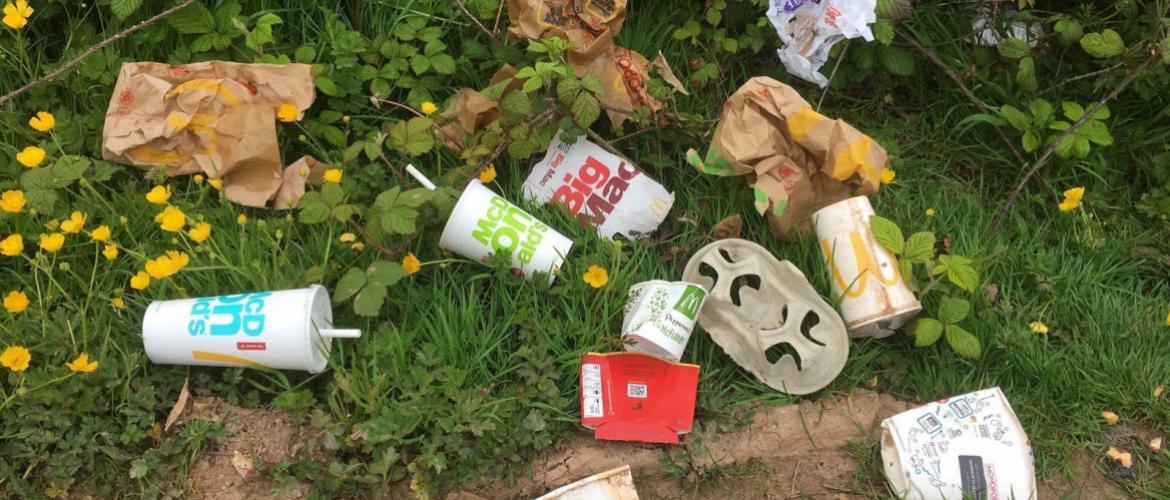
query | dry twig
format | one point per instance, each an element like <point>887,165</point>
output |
<point>459,4</point>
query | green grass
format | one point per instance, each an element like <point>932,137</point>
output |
<point>467,372</point>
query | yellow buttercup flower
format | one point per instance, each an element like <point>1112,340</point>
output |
<point>51,242</point>
<point>166,265</point>
<point>16,14</point>
<point>171,219</point>
<point>1168,319</point>
<point>344,118</point>
<point>31,156</point>
<point>287,113</point>
<point>181,259</point>
<point>12,245</point>
<point>101,233</point>
<point>1072,199</point>
<point>359,246</point>
<point>930,212</point>
<point>75,223</point>
<point>110,252</point>
<point>200,232</point>
<point>411,263</point>
<point>332,175</point>
<point>488,174</point>
<point>159,195</point>
<point>198,178</point>
<point>140,281</point>
<point>1110,417</point>
<point>118,303</point>
<point>15,302</point>
<point>346,238</point>
<point>216,183</point>
<point>1038,327</point>
<point>888,175</point>
<point>428,108</point>
<point>596,276</point>
<point>15,358</point>
<point>12,201</point>
<point>43,121</point>
<point>82,364</point>
<point>241,219</point>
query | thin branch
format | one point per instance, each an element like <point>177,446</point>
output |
<point>607,145</point>
<point>544,117</point>
<point>963,87</point>
<point>496,26</point>
<point>88,52</point>
<point>463,8</point>
<point>1015,194</point>
<point>840,57</point>
<point>1082,77</point>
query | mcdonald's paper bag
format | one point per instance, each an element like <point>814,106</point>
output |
<point>599,188</point>
<point>796,159</point>
<point>215,118</point>
<point>631,396</point>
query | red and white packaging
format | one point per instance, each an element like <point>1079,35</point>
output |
<point>600,188</point>
<point>630,396</point>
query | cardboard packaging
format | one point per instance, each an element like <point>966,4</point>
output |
<point>615,484</point>
<point>637,397</point>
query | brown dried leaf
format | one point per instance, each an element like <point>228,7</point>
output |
<point>991,293</point>
<point>730,227</point>
<point>180,405</point>
<point>242,464</point>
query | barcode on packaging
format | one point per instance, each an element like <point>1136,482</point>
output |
<point>636,390</point>
<point>591,405</point>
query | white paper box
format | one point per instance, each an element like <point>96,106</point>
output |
<point>969,446</point>
<point>599,188</point>
<point>659,317</point>
<point>288,330</point>
<point>484,223</point>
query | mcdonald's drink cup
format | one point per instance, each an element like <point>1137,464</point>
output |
<point>659,317</point>
<point>484,223</point>
<point>287,330</point>
<point>875,300</point>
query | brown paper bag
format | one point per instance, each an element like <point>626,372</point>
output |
<point>216,118</point>
<point>796,159</point>
<point>468,110</point>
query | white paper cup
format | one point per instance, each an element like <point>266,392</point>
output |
<point>484,223</point>
<point>287,330</point>
<point>875,300</point>
<point>659,317</point>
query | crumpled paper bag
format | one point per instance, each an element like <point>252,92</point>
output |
<point>590,25</point>
<point>469,109</point>
<point>797,160</point>
<point>215,118</point>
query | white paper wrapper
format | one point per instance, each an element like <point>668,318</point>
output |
<point>660,315</point>
<point>969,446</point>
<point>599,188</point>
<point>809,28</point>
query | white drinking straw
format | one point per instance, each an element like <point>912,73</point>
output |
<point>341,333</point>
<point>422,179</point>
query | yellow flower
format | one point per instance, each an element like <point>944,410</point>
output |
<point>82,364</point>
<point>888,175</point>
<point>171,219</point>
<point>216,183</point>
<point>488,174</point>
<point>12,245</point>
<point>16,15</point>
<point>101,233</point>
<point>344,118</point>
<point>74,224</point>
<point>200,232</point>
<point>1110,417</point>
<point>411,263</point>
<point>12,201</point>
<point>15,302</point>
<point>198,179</point>
<point>118,303</point>
<point>1072,199</point>
<point>15,358</point>
<point>31,157</point>
<point>930,212</point>
<point>53,225</point>
<point>1038,327</point>
<point>428,108</point>
<point>43,121</point>
<point>346,238</point>
<point>140,281</point>
<point>166,265</point>
<point>241,219</point>
<point>110,252</point>
<point>181,259</point>
<point>359,246</point>
<point>332,175</point>
<point>1168,319</point>
<point>159,195</point>
<point>51,242</point>
<point>287,113</point>
<point>596,276</point>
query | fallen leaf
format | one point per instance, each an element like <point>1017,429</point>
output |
<point>1122,457</point>
<point>730,227</point>
<point>242,464</point>
<point>1158,392</point>
<point>991,293</point>
<point>873,382</point>
<point>1156,444</point>
<point>667,74</point>
<point>177,410</point>
<point>1110,417</point>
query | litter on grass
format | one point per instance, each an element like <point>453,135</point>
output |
<point>968,446</point>
<point>213,118</point>
<point>599,188</point>
<point>796,160</point>
<point>808,29</point>
<point>659,317</point>
<point>614,484</point>
<point>632,396</point>
<point>875,300</point>
<point>286,330</point>
<point>767,317</point>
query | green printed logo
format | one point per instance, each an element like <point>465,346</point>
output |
<point>507,229</point>
<point>690,302</point>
